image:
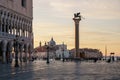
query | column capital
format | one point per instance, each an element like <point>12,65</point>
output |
<point>76,20</point>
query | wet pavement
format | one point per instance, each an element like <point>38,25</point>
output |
<point>57,70</point>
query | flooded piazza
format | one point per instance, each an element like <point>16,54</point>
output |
<point>57,70</point>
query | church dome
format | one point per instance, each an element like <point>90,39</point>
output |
<point>52,42</point>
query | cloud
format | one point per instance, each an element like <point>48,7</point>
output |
<point>107,9</point>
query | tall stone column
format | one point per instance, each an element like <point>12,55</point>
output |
<point>77,19</point>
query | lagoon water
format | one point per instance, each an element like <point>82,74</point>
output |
<point>57,70</point>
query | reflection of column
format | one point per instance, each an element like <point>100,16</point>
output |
<point>76,20</point>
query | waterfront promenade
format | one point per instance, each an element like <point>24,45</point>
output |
<point>57,70</point>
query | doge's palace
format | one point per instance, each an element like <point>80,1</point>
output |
<point>16,23</point>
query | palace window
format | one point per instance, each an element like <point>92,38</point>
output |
<point>23,3</point>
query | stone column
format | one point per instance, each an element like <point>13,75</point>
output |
<point>7,25</point>
<point>30,52</point>
<point>4,56</point>
<point>10,45</point>
<point>4,48</point>
<point>26,51</point>
<point>76,19</point>
<point>11,57</point>
<point>2,21</point>
<point>16,49</point>
<point>23,31</point>
<point>11,26</point>
<point>4,25</point>
<point>21,50</point>
<point>14,25</point>
<point>17,27</point>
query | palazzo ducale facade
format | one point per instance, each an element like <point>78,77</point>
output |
<point>15,24</point>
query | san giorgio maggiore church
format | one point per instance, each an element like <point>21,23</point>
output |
<point>55,50</point>
<point>15,19</point>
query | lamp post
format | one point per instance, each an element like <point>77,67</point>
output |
<point>16,49</point>
<point>63,53</point>
<point>112,56</point>
<point>47,48</point>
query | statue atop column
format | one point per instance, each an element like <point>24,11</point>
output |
<point>77,16</point>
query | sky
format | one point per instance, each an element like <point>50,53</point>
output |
<point>99,27</point>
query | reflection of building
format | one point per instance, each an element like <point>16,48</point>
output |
<point>88,53</point>
<point>54,52</point>
<point>15,19</point>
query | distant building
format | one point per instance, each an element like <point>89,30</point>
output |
<point>15,19</point>
<point>56,50</point>
<point>88,53</point>
<point>60,50</point>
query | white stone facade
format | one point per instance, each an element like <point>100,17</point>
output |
<point>62,50</point>
<point>15,19</point>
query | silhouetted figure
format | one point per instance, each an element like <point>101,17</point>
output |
<point>109,60</point>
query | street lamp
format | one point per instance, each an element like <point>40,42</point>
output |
<point>63,53</point>
<point>47,48</point>
<point>112,56</point>
<point>16,49</point>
